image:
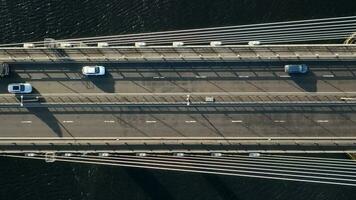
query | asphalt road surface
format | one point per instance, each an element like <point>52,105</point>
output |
<point>233,121</point>
<point>185,77</point>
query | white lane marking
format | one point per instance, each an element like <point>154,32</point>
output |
<point>150,121</point>
<point>26,122</point>
<point>109,121</point>
<point>328,75</point>
<point>279,121</point>
<point>243,76</point>
<point>236,121</point>
<point>322,121</point>
<point>68,121</point>
<point>284,76</point>
<point>200,76</point>
<point>191,121</point>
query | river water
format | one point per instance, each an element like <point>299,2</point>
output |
<point>33,20</point>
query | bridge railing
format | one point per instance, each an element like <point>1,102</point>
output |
<point>186,53</point>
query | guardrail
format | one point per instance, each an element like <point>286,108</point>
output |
<point>181,144</point>
<point>185,53</point>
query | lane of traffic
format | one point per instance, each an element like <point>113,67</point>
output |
<point>178,122</point>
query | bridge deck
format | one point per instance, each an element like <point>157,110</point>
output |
<point>236,82</point>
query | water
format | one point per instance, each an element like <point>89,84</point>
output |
<point>28,20</point>
<point>33,20</point>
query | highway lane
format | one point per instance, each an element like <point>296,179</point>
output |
<point>168,77</point>
<point>323,121</point>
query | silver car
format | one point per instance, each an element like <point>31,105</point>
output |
<point>19,88</point>
<point>296,69</point>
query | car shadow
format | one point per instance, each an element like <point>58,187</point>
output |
<point>106,83</point>
<point>32,104</point>
<point>307,82</point>
<point>42,113</point>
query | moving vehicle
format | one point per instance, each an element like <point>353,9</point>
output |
<point>296,69</point>
<point>19,88</point>
<point>252,43</point>
<point>93,70</point>
<point>4,69</point>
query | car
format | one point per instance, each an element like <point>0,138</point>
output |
<point>19,88</point>
<point>93,70</point>
<point>296,69</point>
<point>254,155</point>
<point>252,43</point>
<point>4,70</point>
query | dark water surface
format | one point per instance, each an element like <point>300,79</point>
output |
<point>28,20</point>
<point>32,20</point>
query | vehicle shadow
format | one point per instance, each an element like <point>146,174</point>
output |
<point>44,114</point>
<point>106,83</point>
<point>307,82</point>
<point>31,103</point>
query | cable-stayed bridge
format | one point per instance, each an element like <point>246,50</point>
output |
<point>196,97</point>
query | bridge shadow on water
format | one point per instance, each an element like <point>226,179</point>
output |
<point>307,82</point>
<point>149,183</point>
<point>221,187</point>
<point>106,83</point>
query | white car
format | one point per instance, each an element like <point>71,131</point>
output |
<point>19,88</point>
<point>93,70</point>
<point>252,43</point>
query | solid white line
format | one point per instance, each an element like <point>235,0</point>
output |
<point>236,121</point>
<point>26,122</point>
<point>191,93</point>
<point>322,121</point>
<point>181,138</point>
<point>151,121</point>
<point>192,121</point>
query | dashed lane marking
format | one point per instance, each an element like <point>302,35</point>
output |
<point>109,121</point>
<point>279,121</point>
<point>328,76</point>
<point>68,122</point>
<point>151,121</point>
<point>236,121</point>
<point>191,121</point>
<point>26,122</point>
<point>322,121</point>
